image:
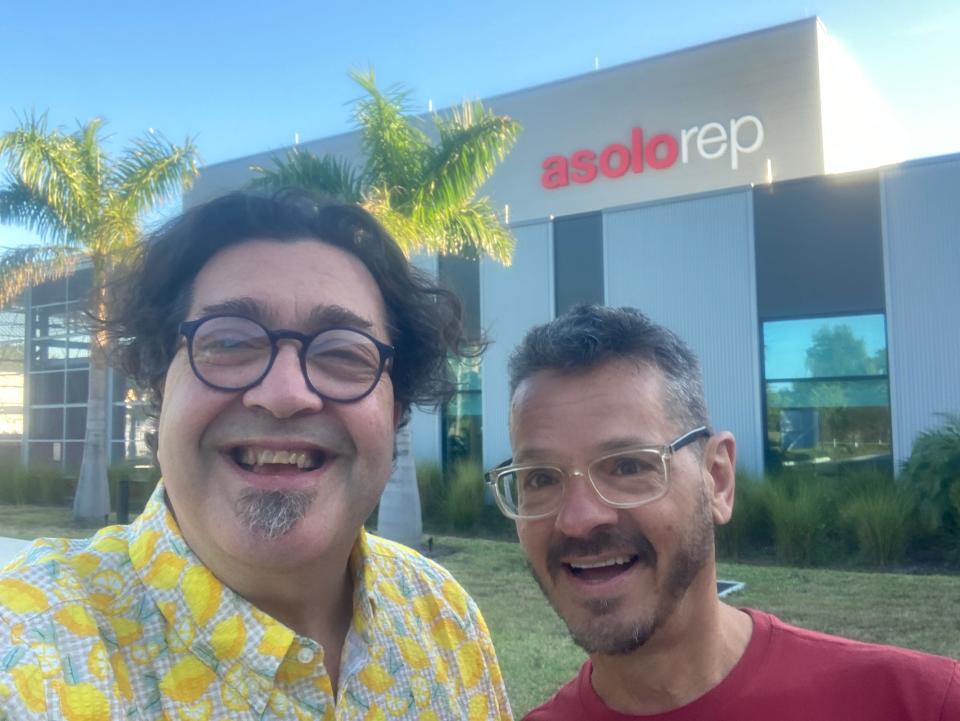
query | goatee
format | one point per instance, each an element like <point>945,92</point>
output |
<point>272,514</point>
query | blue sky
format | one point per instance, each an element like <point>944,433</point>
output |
<point>241,78</point>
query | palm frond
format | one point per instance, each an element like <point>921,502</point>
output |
<point>328,175</point>
<point>20,206</point>
<point>21,268</point>
<point>473,140</point>
<point>153,169</point>
<point>91,160</point>
<point>475,229</point>
<point>395,149</point>
<point>117,228</point>
<point>408,234</point>
<point>46,161</point>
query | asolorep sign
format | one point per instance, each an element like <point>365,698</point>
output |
<point>711,141</point>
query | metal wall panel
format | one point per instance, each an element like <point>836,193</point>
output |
<point>690,265</point>
<point>511,301</point>
<point>921,229</point>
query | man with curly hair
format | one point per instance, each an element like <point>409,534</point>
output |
<point>283,339</point>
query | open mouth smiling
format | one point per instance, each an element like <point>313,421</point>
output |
<point>278,461</point>
<point>602,569</point>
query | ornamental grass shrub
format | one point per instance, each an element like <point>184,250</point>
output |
<point>433,494</point>
<point>39,484</point>
<point>804,518</point>
<point>932,475</point>
<point>10,493</point>
<point>750,530</point>
<point>465,500</point>
<point>881,519</point>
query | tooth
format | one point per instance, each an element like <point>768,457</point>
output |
<point>248,457</point>
<point>301,460</point>
<point>281,456</point>
<point>618,561</point>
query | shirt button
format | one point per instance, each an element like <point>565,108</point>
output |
<point>305,655</point>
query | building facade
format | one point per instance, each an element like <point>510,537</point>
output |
<point>751,195</point>
<point>44,354</point>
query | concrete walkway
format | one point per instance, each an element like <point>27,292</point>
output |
<point>10,547</point>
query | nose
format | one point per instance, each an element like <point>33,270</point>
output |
<point>582,510</point>
<point>284,392</point>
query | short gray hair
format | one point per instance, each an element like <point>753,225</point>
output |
<point>591,335</point>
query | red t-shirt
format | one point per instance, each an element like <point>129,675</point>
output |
<point>791,674</point>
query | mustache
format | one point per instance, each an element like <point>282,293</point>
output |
<point>601,540</point>
<point>296,429</point>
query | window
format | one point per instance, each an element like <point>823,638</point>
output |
<point>827,391</point>
<point>462,417</point>
<point>578,260</point>
<point>11,382</point>
<point>461,420</point>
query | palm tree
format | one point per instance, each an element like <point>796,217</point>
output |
<point>425,193</point>
<point>87,207</point>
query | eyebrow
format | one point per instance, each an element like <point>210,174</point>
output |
<point>330,316</point>
<point>322,316</point>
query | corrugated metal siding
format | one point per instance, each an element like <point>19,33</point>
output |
<point>921,229</point>
<point>690,266</point>
<point>511,301</point>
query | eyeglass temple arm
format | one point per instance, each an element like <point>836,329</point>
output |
<point>491,476</point>
<point>688,438</point>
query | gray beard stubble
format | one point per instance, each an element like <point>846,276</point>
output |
<point>272,514</point>
<point>691,557</point>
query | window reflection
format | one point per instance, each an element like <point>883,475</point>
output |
<point>463,430</point>
<point>827,391</point>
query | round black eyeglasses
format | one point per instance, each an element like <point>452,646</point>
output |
<point>235,353</point>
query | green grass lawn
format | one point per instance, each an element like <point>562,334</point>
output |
<point>537,657</point>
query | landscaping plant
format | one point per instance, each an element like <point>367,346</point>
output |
<point>932,475</point>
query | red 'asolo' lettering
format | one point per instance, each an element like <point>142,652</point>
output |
<point>659,153</point>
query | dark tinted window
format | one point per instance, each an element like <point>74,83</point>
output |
<point>578,260</point>
<point>818,246</point>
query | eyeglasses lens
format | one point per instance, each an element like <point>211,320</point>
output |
<point>623,479</point>
<point>343,364</point>
<point>233,353</point>
<point>632,477</point>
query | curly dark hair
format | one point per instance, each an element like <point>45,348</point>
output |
<point>154,296</point>
<point>590,335</point>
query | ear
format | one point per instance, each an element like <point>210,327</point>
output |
<point>719,466</point>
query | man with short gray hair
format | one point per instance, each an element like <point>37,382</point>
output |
<point>616,485</point>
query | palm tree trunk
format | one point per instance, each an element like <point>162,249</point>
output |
<point>91,504</point>
<point>399,517</point>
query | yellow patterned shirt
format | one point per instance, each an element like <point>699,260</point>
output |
<point>129,624</point>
